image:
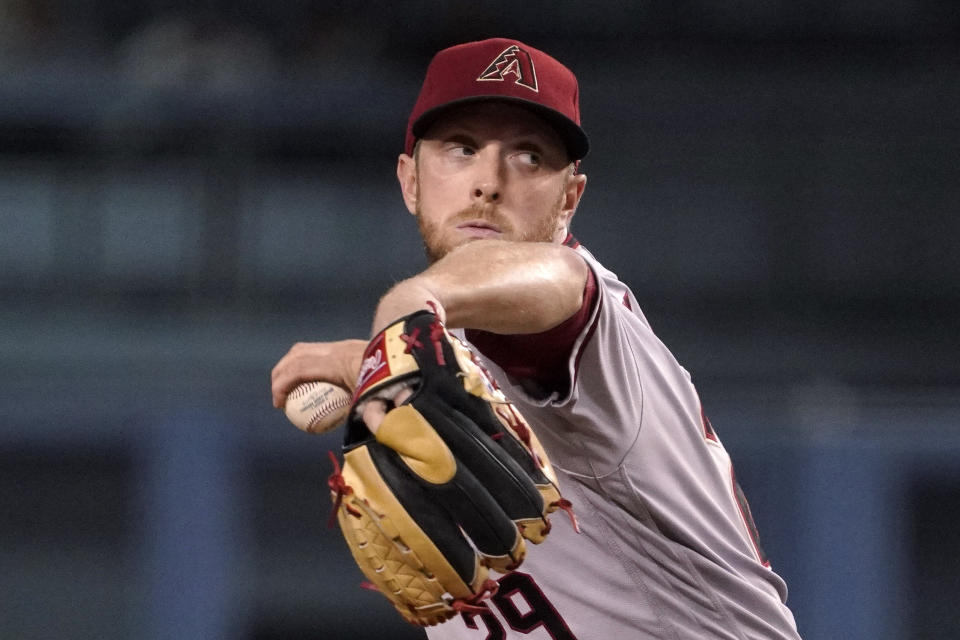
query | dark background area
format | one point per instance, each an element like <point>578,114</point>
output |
<point>186,189</point>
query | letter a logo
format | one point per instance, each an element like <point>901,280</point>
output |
<point>513,60</point>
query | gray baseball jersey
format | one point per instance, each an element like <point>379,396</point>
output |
<point>667,547</point>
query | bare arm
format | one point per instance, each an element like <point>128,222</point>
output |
<point>494,285</point>
<point>497,286</point>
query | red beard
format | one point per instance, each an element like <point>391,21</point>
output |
<point>439,240</point>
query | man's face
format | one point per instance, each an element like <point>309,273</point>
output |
<point>489,170</point>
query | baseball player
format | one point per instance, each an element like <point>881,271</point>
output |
<point>665,545</point>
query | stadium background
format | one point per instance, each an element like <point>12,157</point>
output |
<point>188,188</point>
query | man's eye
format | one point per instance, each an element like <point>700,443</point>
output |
<point>529,157</point>
<point>462,150</point>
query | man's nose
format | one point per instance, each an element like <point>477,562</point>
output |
<point>488,182</point>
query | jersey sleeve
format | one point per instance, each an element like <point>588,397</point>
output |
<point>539,362</point>
<point>593,411</point>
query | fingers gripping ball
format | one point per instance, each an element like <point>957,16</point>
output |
<point>451,485</point>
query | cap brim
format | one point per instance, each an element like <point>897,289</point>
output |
<point>570,133</point>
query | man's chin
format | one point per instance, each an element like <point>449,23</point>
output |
<point>436,250</point>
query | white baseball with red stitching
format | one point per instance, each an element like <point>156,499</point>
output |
<point>316,407</point>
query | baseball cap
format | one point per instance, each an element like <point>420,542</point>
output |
<point>504,70</point>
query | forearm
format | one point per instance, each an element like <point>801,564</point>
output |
<point>497,286</point>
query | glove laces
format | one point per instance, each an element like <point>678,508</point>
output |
<point>340,488</point>
<point>567,506</point>
<point>519,427</point>
<point>436,333</point>
<point>474,604</point>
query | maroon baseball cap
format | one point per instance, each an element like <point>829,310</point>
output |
<point>503,70</point>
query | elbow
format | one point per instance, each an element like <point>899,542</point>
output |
<point>559,292</point>
<point>574,284</point>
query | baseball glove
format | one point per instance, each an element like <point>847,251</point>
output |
<point>450,485</point>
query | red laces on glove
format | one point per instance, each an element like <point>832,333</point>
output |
<point>518,426</point>
<point>567,506</point>
<point>339,486</point>
<point>507,413</point>
<point>411,340</point>
<point>436,333</point>
<point>474,603</point>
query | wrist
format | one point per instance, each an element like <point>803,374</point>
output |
<point>351,361</point>
<point>404,299</point>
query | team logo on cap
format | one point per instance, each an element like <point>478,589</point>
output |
<point>515,61</point>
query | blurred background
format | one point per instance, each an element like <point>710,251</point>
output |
<point>187,188</point>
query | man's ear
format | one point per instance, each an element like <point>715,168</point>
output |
<point>407,175</point>
<point>572,194</point>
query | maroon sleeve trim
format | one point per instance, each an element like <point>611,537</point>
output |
<point>540,357</point>
<point>586,340</point>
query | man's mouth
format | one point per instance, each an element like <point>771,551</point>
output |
<point>479,228</point>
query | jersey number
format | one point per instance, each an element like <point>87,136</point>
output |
<point>538,612</point>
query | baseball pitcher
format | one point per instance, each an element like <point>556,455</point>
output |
<point>523,457</point>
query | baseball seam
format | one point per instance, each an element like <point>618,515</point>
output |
<point>327,408</point>
<point>303,389</point>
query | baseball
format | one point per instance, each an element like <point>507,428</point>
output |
<point>316,407</point>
